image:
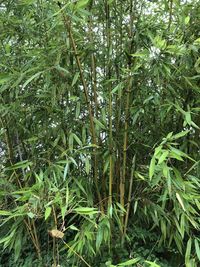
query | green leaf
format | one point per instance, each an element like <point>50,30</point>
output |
<point>18,245</point>
<point>71,141</point>
<point>163,156</point>
<point>74,228</point>
<point>180,153</point>
<point>80,186</point>
<point>187,20</point>
<point>109,264</point>
<point>159,42</point>
<point>4,77</point>
<point>63,70</point>
<point>75,79</point>
<point>152,167</point>
<point>110,211</point>
<point>5,213</point>
<point>169,135</point>
<point>141,54</point>
<point>175,156</point>
<point>86,211</point>
<point>78,107</point>
<point>99,123</point>
<point>129,262</point>
<point>106,165</point>
<point>188,252</point>
<point>26,2</point>
<point>197,41</point>
<point>20,165</point>
<point>157,150</point>
<point>135,206</point>
<point>87,165</point>
<point>117,88</point>
<point>122,209</point>
<point>163,229</point>
<point>197,65</point>
<point>99,237</point>
<point>81,4</point>
<point>66,171</point>
<point>182,226</point>
<point>197,249</point>
<point>188,117</point>
<point>63,211</point>
<point>47,213</point>
<point>152,264</point>
<point>180,201</point>
<point>36,75</point>
<point>179,135</point>
<point>77,139</point>
<point>194,125</point>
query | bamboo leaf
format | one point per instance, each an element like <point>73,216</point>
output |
<point>81,4</point>
<point>188,117</point>
<point>77,139</point>
<point>180,201</point>
<point>4,77</point>
<point>163,156</point>
<point>75,79</point>
<point>74,228</point>
<point>188,252</point>
<point>71,141</point>
<point>179,135</point>
<point>47,213</point>
<point>87,166</point>
<point>197,249</point>
<point>152,264</point>
<point>129,262</point>
<point>86,210</point>
<point>5,213</point>
<point>99,238</point>
<point>117,88</point>
<point>35,76</point>
<point>99,123</point>
<point>152,167</point>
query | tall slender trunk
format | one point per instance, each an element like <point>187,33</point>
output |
<point>127,107</point>
<point>109,52</point>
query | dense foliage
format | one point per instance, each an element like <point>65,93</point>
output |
<point>99,127</point>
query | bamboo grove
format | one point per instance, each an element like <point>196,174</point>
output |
<point>99,127</point>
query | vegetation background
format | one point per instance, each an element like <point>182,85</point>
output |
<point>99,127</point>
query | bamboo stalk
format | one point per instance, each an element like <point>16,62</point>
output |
<point>30,231</point>
<point>118,110</point>
<point>128,91</point>
<point>125,145</point>
<point>93,70</point>
<point>129,199</point>
<point>108,74</point>
<point>36,239</point>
